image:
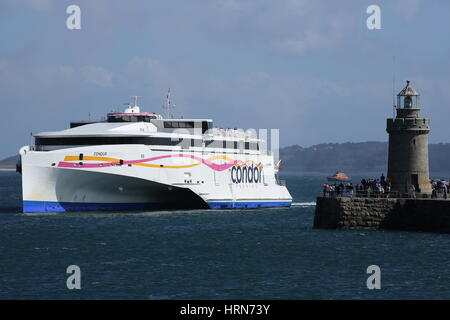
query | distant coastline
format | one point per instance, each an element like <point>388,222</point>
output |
<point>354,157</point>
<point>9,163</point>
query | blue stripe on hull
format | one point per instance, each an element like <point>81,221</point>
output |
<point>53,206</point>
<point>248,205</point>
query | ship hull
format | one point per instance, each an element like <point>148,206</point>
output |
<point>131,177</point>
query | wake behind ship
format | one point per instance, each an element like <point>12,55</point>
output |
<point>136,160</point>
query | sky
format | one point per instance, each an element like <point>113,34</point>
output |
<point>310,68</point>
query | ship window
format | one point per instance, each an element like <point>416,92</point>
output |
<point>75,124</point>
<point>178,124</point>
<point>160,141</point>
<point>214,143</point>
<point>251,146</point>
<point>163,141</point>
<point>87,141</point>
<point>196,143</point>
<point>206,125</point>
<point>187,124</point>
<point>129,118</point>
<point>222,144</point>
<point>83,141</point>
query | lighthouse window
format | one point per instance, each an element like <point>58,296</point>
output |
<point>408,102</point>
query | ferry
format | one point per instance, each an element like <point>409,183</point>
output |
<point>135,160</point>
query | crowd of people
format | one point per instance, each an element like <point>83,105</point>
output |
<point>366,188</point>
<point>380,188</point>
<point>439,187</point>
<point>338,190</point>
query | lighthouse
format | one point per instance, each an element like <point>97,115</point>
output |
<point>408,145</point>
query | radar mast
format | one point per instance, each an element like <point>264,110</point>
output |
<point>168,106</point>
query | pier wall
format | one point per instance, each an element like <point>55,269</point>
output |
<point>380,213</point>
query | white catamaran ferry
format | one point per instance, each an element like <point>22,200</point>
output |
<point>135,160</point>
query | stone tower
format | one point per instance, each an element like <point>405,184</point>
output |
<point>408,145</point>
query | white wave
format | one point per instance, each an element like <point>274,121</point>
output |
<point>303,204</point>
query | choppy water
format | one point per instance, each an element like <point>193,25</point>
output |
<point>255,254</point>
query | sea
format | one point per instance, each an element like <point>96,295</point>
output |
<point>208,254</point>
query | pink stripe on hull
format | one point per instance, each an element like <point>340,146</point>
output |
<point>214,166</point>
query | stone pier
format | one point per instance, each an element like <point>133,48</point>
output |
<point>425,215</point>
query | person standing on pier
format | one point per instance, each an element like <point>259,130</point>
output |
<point>434,190</point>
<point>413,191</point>
<point>382,180</point>
<point>445,189</point>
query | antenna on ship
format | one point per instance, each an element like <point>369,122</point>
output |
<point>135,100</point>
<point>168,106</point>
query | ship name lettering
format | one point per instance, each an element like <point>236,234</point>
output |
<point>246,174</point>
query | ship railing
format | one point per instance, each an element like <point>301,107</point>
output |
<point>361,194</point>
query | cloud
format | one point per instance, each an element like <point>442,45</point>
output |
<point>311,40</point>
<point>96,75</point>
<point>14,6</point>
<point>151,72</point>
<point>285,26</point>
<point>31,82</point>
<point>409,8</point>
<point>40,5</point>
